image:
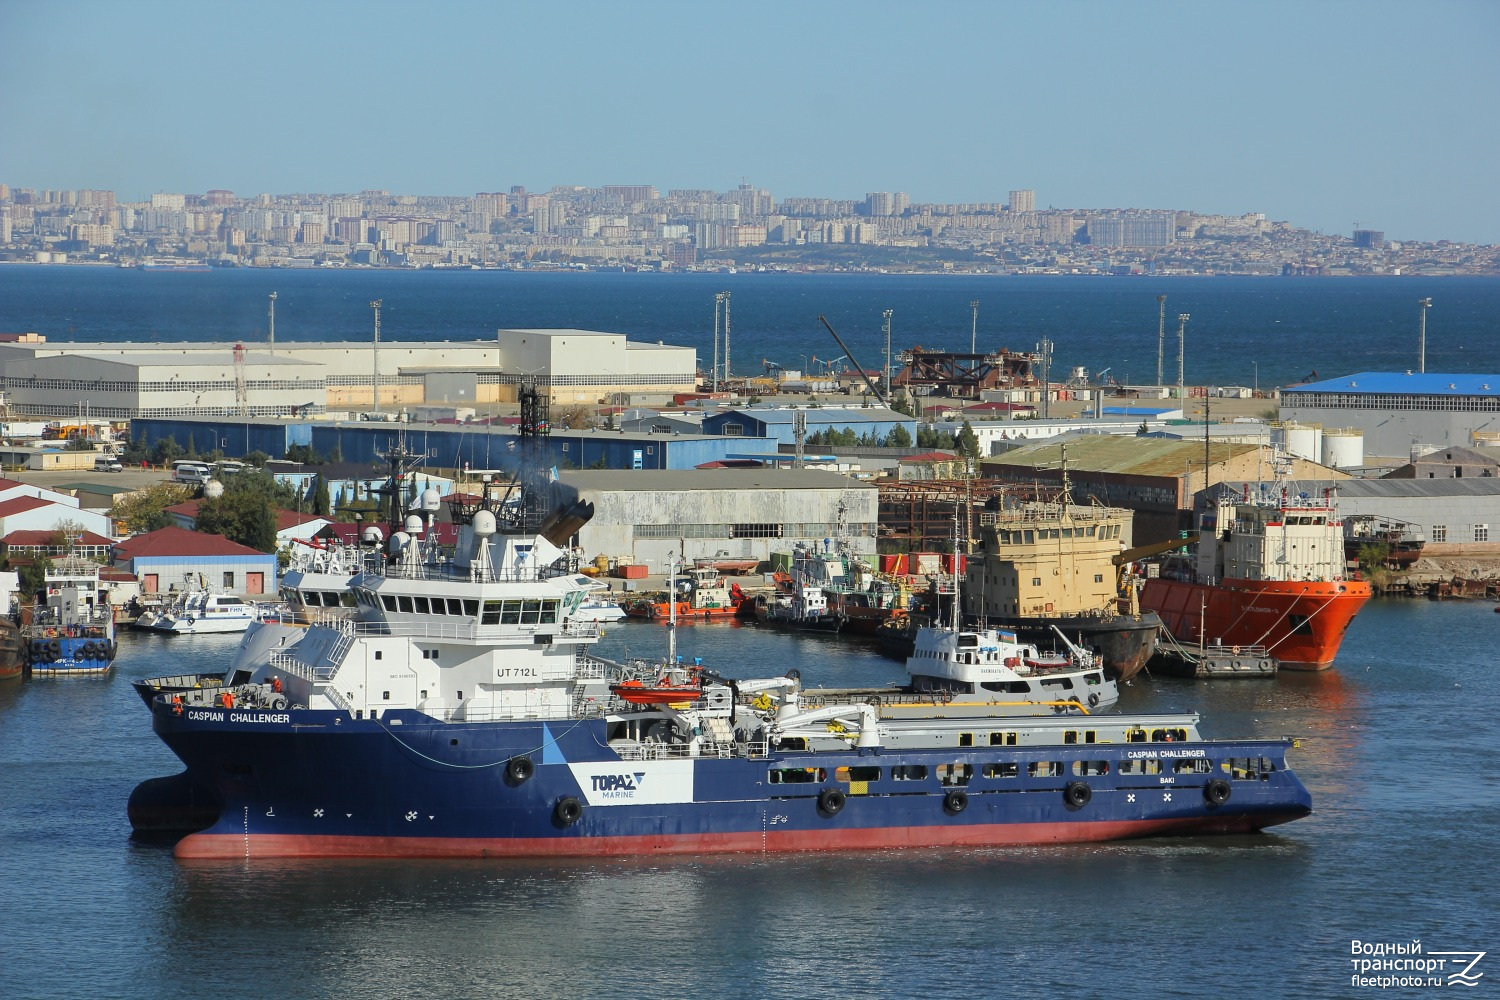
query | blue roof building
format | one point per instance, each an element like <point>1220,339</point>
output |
<point>1400,414</point>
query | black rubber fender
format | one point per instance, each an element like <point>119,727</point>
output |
<point>567,811</point>
<point>1077,794</point>
<point>955,802</point>
<point>519,769</point>
<point>1217,792</point>
<point>831,802</point>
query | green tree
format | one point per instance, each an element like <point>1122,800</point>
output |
<point>304,454</point>
<point>899,437</point>
<point>166,452</point>
<point>322,505</point>
<point>242,516</point>
<point>336,454</point>
<point>79,443</point>
<point>967,441</point>
<point>145,509</point>
<point>33,577</point>
<point>256,459</point>
<point>929,436</point>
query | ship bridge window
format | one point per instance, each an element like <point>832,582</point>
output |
<point>420,606</point>
<point>1044,769</point>
<point>312,599</point>
<point>455,606</point>
<point>491,613</point>
<point>549,612</point>
<point>404,602</point>
<point>531,612</point>
<point>347,599</point>
<point>510,613</point>
<point>471,608</point>
<point>1001,770</point>
<point>950,775</point>
<point>1090,768</point>
<point>796,775</point>
<point>388,601</point>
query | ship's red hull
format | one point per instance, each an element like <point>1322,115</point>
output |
<point>1301,623</point>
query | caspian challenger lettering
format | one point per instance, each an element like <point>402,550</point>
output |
<point>199,715</point>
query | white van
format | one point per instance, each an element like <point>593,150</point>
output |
<point>191,473</point>
<point>108,463</point>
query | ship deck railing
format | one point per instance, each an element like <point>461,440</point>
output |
<point>684,751</point>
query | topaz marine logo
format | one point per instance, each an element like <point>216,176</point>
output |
<point>617,786</point>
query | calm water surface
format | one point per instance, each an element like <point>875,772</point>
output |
<point>1398,745</point>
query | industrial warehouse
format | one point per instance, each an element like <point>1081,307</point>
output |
<point>123,382</point>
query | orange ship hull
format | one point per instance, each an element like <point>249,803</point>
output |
<point>1300,623</point>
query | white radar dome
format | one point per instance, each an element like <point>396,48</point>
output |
<point>372,535</point>
<point>413,524</point>
<point>432,500</point>
<point>484,523</point>
<point>399,542</point>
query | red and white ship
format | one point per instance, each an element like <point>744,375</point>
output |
<point>1269,573</point>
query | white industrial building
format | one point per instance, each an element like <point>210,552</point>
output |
<point>647,516</point>
<point>122,381</point>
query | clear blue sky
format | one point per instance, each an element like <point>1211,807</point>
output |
<point>1320,113</point>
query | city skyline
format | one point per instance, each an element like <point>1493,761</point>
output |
<point>1324,115</point>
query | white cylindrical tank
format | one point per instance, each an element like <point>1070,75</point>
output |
<point>1344,447</point>
<point>1303,440</point>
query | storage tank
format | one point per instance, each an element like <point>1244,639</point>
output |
<point>1344,447</point>
<point>1303,440</point>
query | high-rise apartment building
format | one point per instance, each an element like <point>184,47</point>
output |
<point>1023,200</point>
<point>880,203</point>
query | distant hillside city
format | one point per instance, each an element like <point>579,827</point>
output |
<point>635,227</point>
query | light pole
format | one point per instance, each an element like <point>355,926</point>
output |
<point>375,357</point>
<point>728,371</point>
<point>1161,333</point>
<point>272,338</point>
<point>713,379</point>
<point>1426,304</point>
<point>887,315</point>
<point>1256,391</point>
<point>1182,321</point>
<point>974,325</point>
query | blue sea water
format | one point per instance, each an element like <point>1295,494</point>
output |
<point>1248,331</point>
<point>1397,750</point>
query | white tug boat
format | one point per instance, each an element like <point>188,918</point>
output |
<point>202,612</point>
<point>596,608</point>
